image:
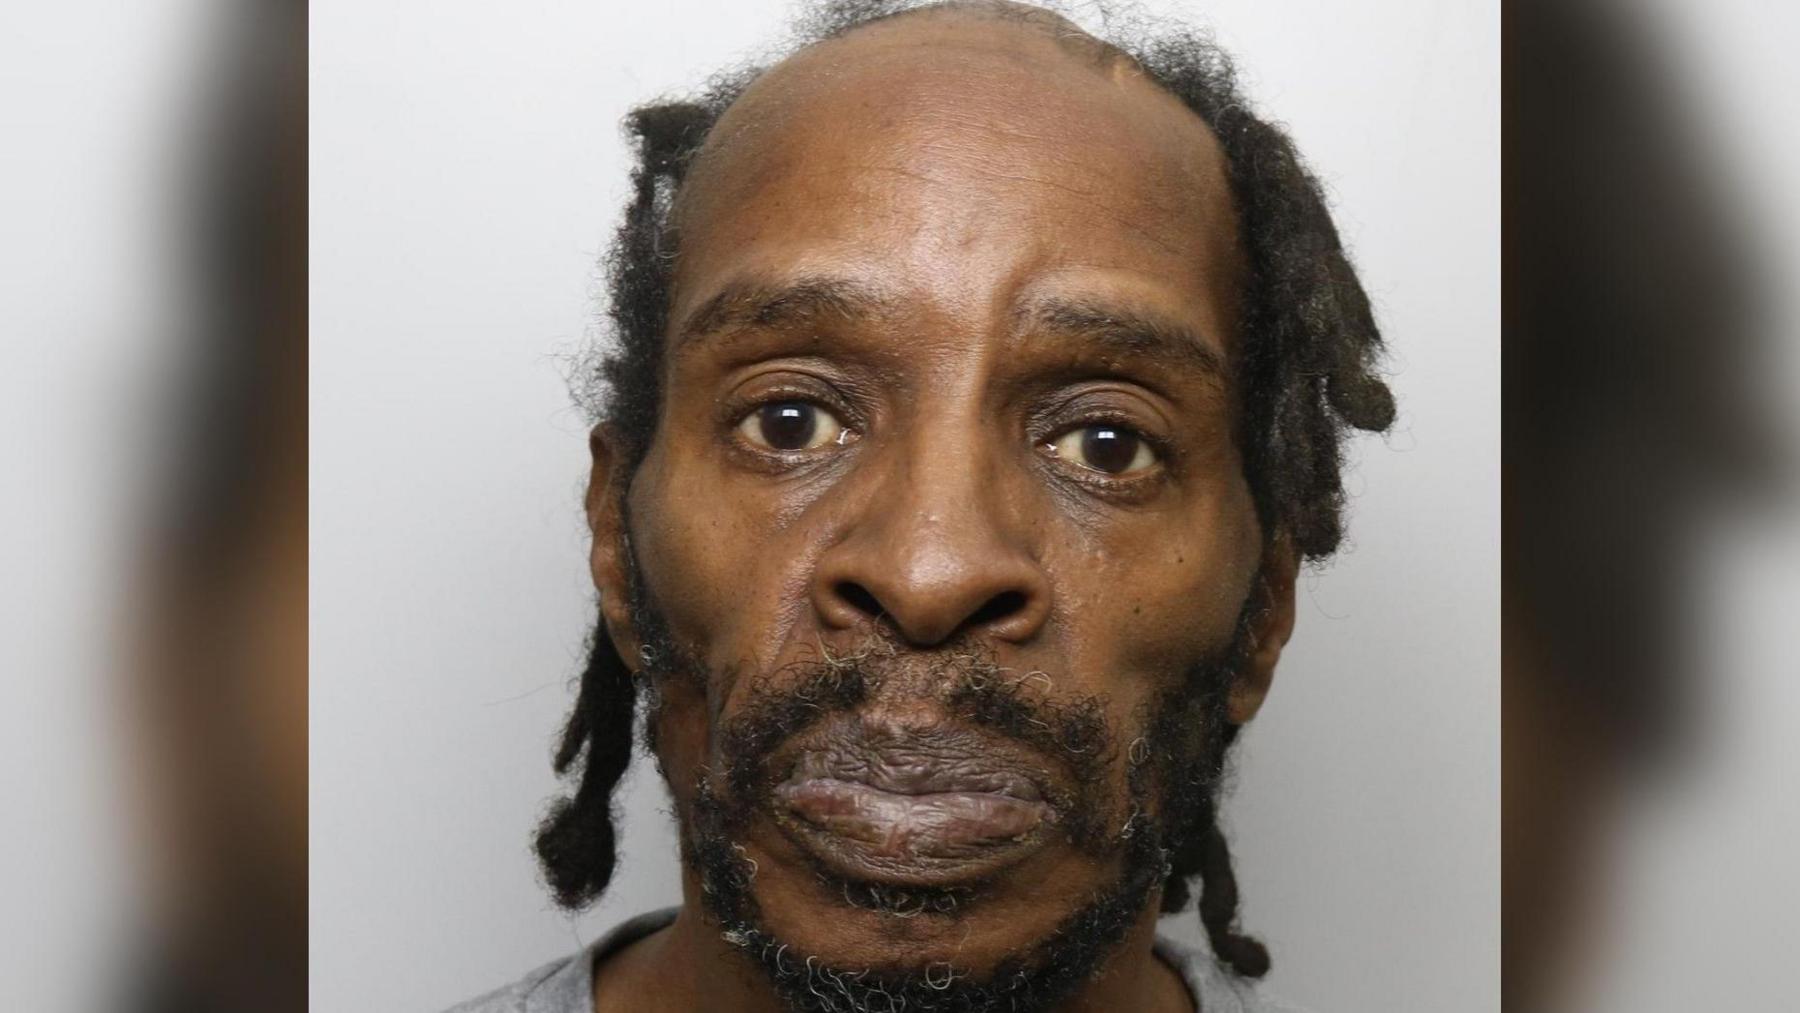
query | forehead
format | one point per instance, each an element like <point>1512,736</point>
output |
<point>964,161</point>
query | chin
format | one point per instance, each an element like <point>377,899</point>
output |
<point>976,915</point>
<point>1017,925</point>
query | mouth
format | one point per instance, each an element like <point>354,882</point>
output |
<point>933,807</point>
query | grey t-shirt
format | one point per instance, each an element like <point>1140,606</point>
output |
<point>567,985</point>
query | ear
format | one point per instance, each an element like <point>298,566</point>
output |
<point>606,559</point>
<point>1272,625</point>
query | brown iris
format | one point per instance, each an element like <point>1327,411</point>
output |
<point>1111,449</point>
<point>792,426</point>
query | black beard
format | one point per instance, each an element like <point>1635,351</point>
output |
<point>1174,767</point>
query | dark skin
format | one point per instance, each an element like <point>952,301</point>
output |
<point>952,353</point>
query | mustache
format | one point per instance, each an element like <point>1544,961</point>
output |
<point>980,701</point>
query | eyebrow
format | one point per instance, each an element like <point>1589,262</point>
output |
<point>1125,331</point>
<point>760,304</point>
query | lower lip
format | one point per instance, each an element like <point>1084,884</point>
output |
<point>937,837</point>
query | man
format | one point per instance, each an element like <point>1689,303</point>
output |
<point>979,389</point>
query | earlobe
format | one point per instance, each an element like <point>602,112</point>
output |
<point>606,557</point>
<point>1270,629</point>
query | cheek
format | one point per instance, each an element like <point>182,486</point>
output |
<point>723,561</point>
<point>1155,594</point>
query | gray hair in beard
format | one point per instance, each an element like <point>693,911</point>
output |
<point>1174,767</point>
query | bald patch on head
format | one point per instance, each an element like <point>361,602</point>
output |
<point>995,29</point>
<point>956,94</point>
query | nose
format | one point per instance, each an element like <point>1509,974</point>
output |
<point>936,551</point>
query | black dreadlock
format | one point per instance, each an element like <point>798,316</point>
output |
<point>1309,349</point>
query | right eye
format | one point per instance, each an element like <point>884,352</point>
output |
<point>792,426</point>
<point>1110,449</point>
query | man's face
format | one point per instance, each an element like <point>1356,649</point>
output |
<point>949,394</point>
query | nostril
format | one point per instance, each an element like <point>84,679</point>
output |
<point>860,597</point>
<point>997,608</point>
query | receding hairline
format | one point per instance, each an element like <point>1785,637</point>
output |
<point>1079,41</point>
<point>1105,59</point>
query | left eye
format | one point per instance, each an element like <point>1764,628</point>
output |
<point>792,425</point>
<point>1114,450</point>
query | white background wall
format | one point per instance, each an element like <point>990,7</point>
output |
<point>466,173</point>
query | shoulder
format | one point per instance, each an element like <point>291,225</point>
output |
<point>561,986</point>
<point>1214,990</point>
<point>565,985</point>
<point>544,990</point>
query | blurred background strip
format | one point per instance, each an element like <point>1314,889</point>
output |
<point>1651,557</point>
<point>153,680</point>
